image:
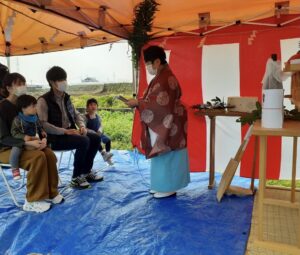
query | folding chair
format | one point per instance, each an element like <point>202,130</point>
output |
<point>61,156</point>
<point>61,185</point>
<point>11,190</point>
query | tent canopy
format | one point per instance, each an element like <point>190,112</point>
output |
<point>25,31</point>
<point>174,16</point>
<point>36,26</point>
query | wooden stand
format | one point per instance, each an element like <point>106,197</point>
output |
<point>230,170</point>
<point>238,191</point>
<point>295,83</point>
<point>290,129</point>
<point>212,114</point>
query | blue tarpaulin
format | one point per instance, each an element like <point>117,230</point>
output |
<point>119,216</point>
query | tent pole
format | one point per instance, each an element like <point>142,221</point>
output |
<point>289,21</point>
<point>259,24</point>
<point>135,78</point>
<point>8,62</point>
<point>219,28</point>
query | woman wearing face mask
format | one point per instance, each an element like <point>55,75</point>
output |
<point>60,120</point>
<point>164,126</point>
<point>42,178</point>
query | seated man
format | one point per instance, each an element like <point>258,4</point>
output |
<point>59,119</point>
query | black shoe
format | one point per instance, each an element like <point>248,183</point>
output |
<point>93,177</point>
<point>80,182</point>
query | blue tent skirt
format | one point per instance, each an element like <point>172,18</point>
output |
<point>170,171</point>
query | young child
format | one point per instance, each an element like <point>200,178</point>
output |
<point>93,122</point>
<point>25,126</point>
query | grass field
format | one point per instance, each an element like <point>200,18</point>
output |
<point>116,124</point>
<point>104,101</point>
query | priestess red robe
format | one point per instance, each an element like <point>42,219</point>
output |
<point>162,111</point>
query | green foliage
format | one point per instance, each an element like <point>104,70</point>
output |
<point>93,88</point>
<point>256,114</point>
<point>283,183</point>
<point>110,101</point>
<point>106,101</point>
<point>215,103</point>
<point>120,88</point>
<point>251,117</point>
<point>118,126</point>
<point>142,24</point>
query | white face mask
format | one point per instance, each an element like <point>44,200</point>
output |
<point>19,91</point>
<point>151,70</point>
<point>62,86</point>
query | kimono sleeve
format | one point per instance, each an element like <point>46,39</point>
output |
<point>156,109</point>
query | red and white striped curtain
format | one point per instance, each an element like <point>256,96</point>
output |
<point>231,63</point>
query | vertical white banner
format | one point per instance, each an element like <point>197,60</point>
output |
<point>221,77</point>
<point>289,47</point>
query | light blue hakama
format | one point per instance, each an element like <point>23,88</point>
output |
<point>170,171</point>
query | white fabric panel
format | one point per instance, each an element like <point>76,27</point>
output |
<point>221,77</point>
<point>149,76</point>
<point>153,136</point>
<point>289,47</point>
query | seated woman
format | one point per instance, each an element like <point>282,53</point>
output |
<point>42,177</point>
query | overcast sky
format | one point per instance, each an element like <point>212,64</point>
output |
<point>106,63</point>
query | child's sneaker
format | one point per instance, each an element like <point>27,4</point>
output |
<point>80,182</point>
<point>106,155</point>
<point>110,162</point>
<point>16,174</point>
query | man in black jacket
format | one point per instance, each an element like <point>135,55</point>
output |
<point>66,129</point>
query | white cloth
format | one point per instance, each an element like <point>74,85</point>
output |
<point>273,76</point>
<point>153,136</point>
